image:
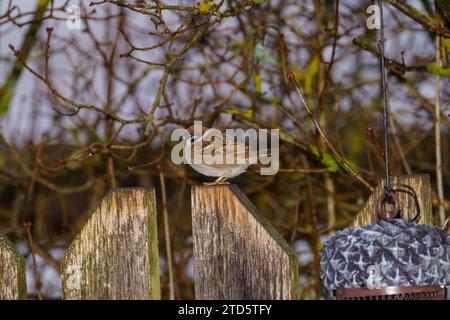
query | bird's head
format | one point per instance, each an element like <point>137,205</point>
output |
<point>197,131</point>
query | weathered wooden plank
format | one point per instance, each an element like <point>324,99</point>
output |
<point>237,253</point>
<point>420,183</point>
<point>115,256</point>
<point>12,272</point>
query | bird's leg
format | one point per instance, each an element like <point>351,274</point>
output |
<point>221,180</point>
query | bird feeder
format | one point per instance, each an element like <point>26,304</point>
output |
<point>389,259</point>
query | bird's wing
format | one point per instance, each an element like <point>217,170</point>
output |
<point>219,145</point>
<point>223,145</point>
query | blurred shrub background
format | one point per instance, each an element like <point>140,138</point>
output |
<point>84,110</point>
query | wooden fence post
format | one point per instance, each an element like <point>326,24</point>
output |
<point>12,272</point>
<point>421,185</point>
<point>115,256</point>
<point>237,253</point>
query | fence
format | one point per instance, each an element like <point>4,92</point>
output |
<point>237,253</point>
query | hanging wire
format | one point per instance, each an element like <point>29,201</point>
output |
<point>389,192</point>
<point>387,188</point>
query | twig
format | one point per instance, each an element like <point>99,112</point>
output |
<point>167,233</point>
<point>331,203</point>
<point>168,68</point>
<point>373,139</point>
<point>37,276</point>
<point>314,234</point>
<point>437,134</point>
<point>399,68</point>
<point>427,22</point>
<point>28,42</point>
<point>338,157</point>
<point>445,225</point>
<point>399,146</point>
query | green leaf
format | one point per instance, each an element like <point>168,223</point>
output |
<point>447,44</point>
<point>248,113</point>
<point>6,94</point>
<point>73,165</point>
<point>310,74</point>
<point>325,158</point>
<point>436,70</point>
<point>258,83</point>
<point>205,6</point>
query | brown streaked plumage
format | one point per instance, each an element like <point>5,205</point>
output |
<point>217,146</point>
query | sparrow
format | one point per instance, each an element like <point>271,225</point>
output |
<point>216,146</point>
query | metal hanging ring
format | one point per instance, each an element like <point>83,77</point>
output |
<point>409,190</point>
<point>395,212</point>
<point>388,214</point>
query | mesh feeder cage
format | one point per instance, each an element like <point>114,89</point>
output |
<point>390,259</point>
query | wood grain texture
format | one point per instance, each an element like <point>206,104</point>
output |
<point>115,256</point>
<point>12,272</point>
<point>420,183</point>
<point>237,253</point>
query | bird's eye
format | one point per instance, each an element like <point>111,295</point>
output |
<point>181,138</point>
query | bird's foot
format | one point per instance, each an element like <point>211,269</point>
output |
<point>215,183</point>
<point>221,180</point>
